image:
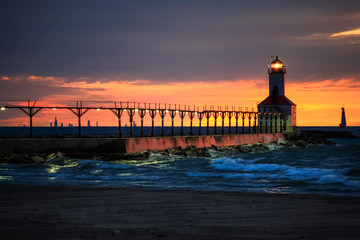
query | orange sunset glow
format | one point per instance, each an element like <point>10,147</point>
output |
<point>318,102</point>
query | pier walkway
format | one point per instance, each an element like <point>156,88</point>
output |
<point>270,120</point>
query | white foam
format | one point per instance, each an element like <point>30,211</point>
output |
<point>304,174</point>
<point>84,163</point>
<point>114,166</point>
<point>239,165</point>
<point>330,179</point>
<point>251,170</point>
<point>273,146</point>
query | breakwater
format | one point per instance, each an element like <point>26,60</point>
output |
<point>128,145</point>
<point>329,134</point>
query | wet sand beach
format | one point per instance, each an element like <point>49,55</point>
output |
<point>30,212</point>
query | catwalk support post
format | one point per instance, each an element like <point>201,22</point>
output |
<point>31,111</point>
<point>230,117</point>
<point>162,113</point>
<point>118,113</point>
<point>208,115</point>
<point>79,111</point>
<point>223,115</point>
<point>216,115</point>
<point>255,123</point>
<point>200,116</point>
<point>243,122</point>
<point>237,115</point>
<point>152,113</point>
<point>142,113</point>
<point>249,118</point>
<point>182,115</point>
<point>131,113</point>
<point>191,116</point>
<point>172,114</point>
<point>266,122</point>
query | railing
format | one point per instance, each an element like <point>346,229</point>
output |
<point>269,121</point>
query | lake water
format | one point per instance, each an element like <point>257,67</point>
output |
<point>316,169</point>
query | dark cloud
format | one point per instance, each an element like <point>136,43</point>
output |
<point>168,41</point>
<point>26,88</point>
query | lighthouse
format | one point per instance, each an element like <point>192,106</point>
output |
<point>343,119</point>
<point>277,101</point>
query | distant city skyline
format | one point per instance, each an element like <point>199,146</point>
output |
<point>55,123</point>
<point>61,124</point>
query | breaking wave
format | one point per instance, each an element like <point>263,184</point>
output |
<point>271,172</point>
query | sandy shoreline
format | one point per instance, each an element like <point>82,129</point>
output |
<point>29,212</point>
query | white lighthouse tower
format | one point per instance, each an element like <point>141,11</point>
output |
<point>277,101</point>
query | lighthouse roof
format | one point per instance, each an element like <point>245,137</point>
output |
<point>277,100</point>
<point>276,61</point>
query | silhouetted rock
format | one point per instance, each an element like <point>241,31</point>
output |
<point>55,155</point>
<point>5,159</point>
<point>37,159</point>
<point>260,147</point>
<point>282,142</point>
<point>246,148</point>
<point>328,134</point>
<point>178,151</point>
<point>191,151</point>
<point>136,156</point>
<point>204,152</point>
<point>20,158</point>
<point>305,139</point>
<point>99,158</point>
<point>228,149</point>
<point>165,152</point>
<point>214,147</point>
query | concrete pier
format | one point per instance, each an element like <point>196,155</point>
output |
<point>127,145</point>
<point>142,144</point>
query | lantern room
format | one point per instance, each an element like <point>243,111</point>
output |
<point>276,66</point>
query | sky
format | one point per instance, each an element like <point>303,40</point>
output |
<point>199,52</point>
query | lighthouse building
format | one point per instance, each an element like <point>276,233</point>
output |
<point>277,101</point>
